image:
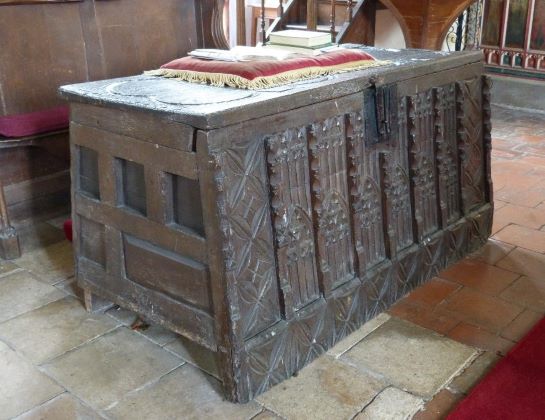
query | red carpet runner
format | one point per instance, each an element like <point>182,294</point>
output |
<point>515,389</point>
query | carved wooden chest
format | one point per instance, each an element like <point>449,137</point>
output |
<point>268,225</point>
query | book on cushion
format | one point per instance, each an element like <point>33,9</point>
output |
<point>299,38</point>
<point>303,50</point>
<point>243,53</point>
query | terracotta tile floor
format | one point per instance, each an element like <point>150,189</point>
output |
<point>418,360</point>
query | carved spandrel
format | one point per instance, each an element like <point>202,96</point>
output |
<point>327,145</point>
<point>365,194</point>
<point>243,205</point>
<point>421,125</point>
<point>287,158</point>
<point>396,188</point>
<point>470,143</point>
<point>447,154</point>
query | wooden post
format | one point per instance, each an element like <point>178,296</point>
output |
<point>241,22</point>
<point>9,241</point>
<point>333,28</point>
<point>263,32</point>
<point>312,15</point>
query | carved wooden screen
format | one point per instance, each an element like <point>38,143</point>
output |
<point>514,36</point>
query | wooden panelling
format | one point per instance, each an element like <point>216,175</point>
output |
<point>160,157</point>
<point>49,43</point>
<point>136,124</point>
<point>159,308</point>
<point>91,237</point>
<point>88,179</point>
<point>133,185</point>
<point>175,240</point>
<point>186,203</point>
<point>42,48</point>
<point>167,272</point>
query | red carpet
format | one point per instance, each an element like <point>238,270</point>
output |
<point>515,389</point>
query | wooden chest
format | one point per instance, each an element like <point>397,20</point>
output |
<point>269,225</point>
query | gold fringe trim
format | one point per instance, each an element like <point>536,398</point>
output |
<point>222,79</point>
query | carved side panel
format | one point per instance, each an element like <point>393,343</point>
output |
<point>327,145</point>
<point>292,214</point>
<point>422,163</point>
<point>396,188</point>
<point>487,137</point>
<point>447,154</point>
<point>248,239</point>
<point>470,143</point>
<point>366,196</point>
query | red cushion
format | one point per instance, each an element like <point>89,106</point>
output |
<point>252,69</point>
<point>264,74</point>
<point>22,125</point>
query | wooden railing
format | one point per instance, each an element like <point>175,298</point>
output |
<point>312,16</point>
<point>513,37</point>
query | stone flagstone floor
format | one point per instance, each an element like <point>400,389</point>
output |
<point>59,362</point>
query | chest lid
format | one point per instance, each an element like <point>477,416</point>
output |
<point>208,107</point>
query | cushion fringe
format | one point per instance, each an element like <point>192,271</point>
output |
<point>263,82</point>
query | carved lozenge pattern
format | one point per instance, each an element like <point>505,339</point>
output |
<point>470,143</point>
<point>248,241</point>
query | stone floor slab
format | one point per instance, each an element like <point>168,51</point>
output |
<point>194,354</point>
<point>347,343</point>
<point>63,407</point>
<point>52,264</point>
<point>326,389</point>
<point>267,415</point>
<point>53,329</point>
<point>70,287</point>
<point>390,404</point>
<point>38,236</point>
<point>21,292</point>
<point>186,393</point>
<point>22,386</point>
<point>410,357</point>
<point>7,267</point>
<point>58,222</point>
<point>103,371</point>
<point>156,333</point>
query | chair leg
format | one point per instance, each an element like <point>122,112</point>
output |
<point>9,241</point>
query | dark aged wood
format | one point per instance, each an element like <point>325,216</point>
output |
<point>73,41</point>
<point>268,225</point>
